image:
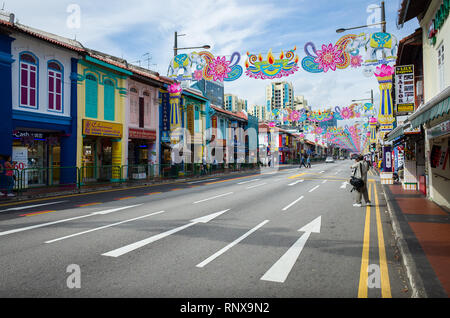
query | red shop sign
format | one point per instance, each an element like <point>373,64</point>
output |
<point>142,134</point>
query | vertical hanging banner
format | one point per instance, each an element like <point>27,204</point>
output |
<point>175,114</point>
<point>404,89</point>
<point>165,115</point>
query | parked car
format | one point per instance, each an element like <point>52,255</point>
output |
<point>329,159</point>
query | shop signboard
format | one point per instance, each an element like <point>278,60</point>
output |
<point>404,89</point>
<point>20,158</point>
<point>165,112</point>
<point>102,129</point>
<point>387,159</point>
<point>134,133</point>
<point>190,118</point>
<point>439,130</point>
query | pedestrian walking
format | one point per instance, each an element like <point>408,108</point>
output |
<point>302,162</point>
<point>360,171</point>
<point>203,165</point>
<point>308,161</point>
<point>9,177</point>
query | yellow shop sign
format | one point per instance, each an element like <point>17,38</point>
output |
<point>102,129</point>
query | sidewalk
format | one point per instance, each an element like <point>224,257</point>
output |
<point>422,230</point>
<point>53,191</point>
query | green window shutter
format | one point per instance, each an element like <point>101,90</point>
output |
<point>109,100</point>
<point>91,96</point>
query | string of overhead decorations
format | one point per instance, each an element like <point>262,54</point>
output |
<point>380,50</point>
<point>345,52</point>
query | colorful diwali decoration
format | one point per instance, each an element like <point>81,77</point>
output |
<point>183,66</point>
<point>175,118</point>
<point>385,43</point>
<point>331,57</point>
<point>271,68</point>
<point>373,130</point>
<point>383,74</point>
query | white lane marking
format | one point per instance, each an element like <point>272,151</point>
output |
<point>244,182</point>
<point>322,171</point>
<point>344,185</point>
<point>324,181</point>
<point>291,204</point>
<point>214,197</point>
<point>31,206</point>
<point>257,185</point>
<point>102,227</point>
<point>226,248</point>
<point>192,182</point>
<point>131,247</point>
<point>66,220</point>
<point>281,269</point>
<point>295,182</point>
<point>314,188</point>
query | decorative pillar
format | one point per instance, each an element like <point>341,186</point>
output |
<point>175,112</point>
<point>386,112</point>
<point>373,130</point>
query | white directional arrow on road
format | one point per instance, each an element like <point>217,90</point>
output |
<point>344,184</point>
<point>131,247</point>
<point>281,269</point>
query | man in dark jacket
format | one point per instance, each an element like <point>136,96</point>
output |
<point>360,171</point>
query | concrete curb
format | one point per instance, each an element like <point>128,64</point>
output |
<point>415,280</point>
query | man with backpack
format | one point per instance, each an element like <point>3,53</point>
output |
<point>360,176</point>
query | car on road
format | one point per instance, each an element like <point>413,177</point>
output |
<point>341,158</point>
<point>329,159</point>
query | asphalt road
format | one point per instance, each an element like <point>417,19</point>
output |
<point>279,233</point>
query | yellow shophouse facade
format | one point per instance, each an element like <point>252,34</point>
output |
<point>101,94</point>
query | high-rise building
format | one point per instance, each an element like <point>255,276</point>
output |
<point>301,103</point>
<point>258,111</point>
<point>234,103</point>
<point>279,95</point>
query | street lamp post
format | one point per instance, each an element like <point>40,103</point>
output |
<point>371,98</point>
<point>176,48</point>
<point>383,22</point>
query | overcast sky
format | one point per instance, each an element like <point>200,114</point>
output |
<point>131,28</point>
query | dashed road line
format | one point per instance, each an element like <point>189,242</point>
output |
<point>291,204</point>
<point>214,197</point>
<point>314,188</point>
<point>226,248</point>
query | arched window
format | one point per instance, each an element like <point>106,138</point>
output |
<point>28,68</point>
<point>109,99</point>
<point>91,96</point>
<point>55,85</point>
<point>146,93</point>
<point>133,90</point>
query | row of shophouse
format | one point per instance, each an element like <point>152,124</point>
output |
<point>282,146</point>
<point>421,141</point>
<point>67,109</point>
<point>71,113</point>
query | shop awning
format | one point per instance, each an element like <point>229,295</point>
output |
<point>437,106</point>
<point>397,132</point>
